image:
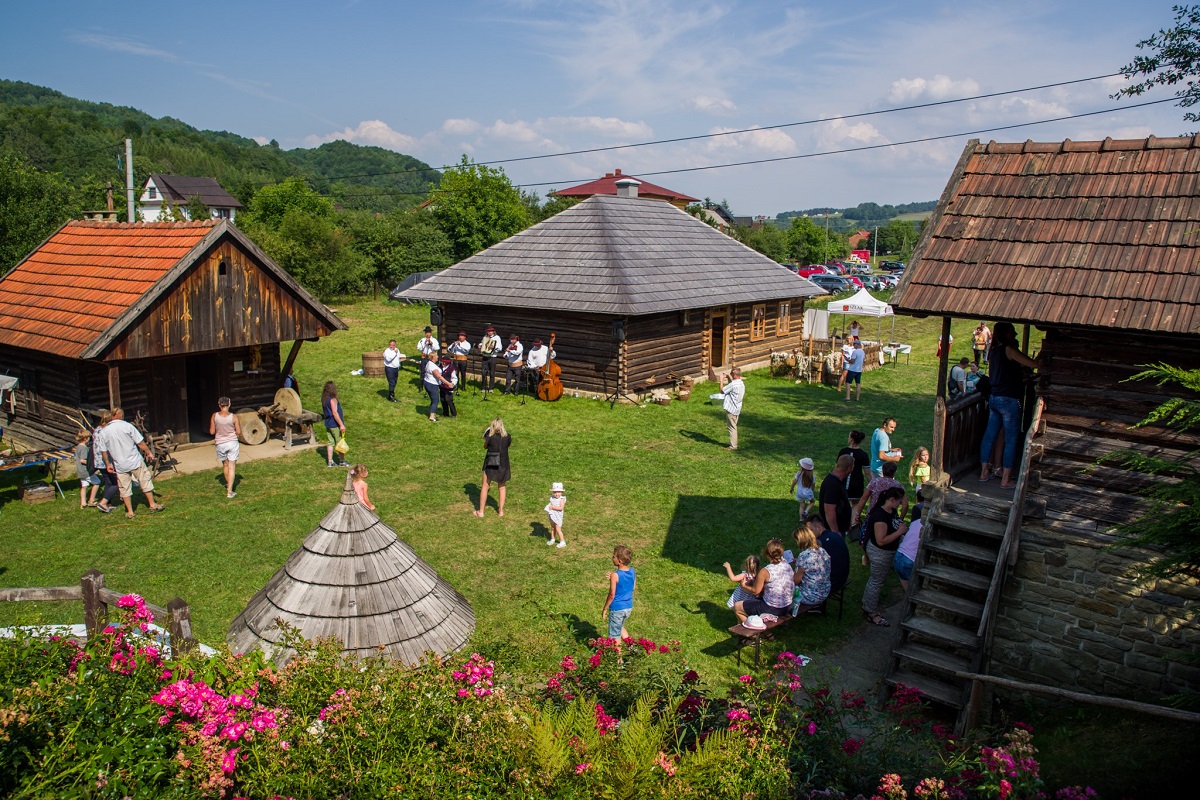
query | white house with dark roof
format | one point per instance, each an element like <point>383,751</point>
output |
<point>177,190</point>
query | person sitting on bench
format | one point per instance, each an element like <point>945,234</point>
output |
<point>774,586</point>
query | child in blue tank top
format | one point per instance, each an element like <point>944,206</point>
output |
<point>621,581</point>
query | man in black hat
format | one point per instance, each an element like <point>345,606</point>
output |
<point>514,354</point>
<point>428,345</point>
<point>460,352</point>
<point>489,350</point>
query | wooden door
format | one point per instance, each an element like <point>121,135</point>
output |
<point>205,385</point>
<point>167,395</point>
<point>718,341</point>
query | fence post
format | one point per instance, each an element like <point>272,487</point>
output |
<point>95,610</point>
<point>179,625</point>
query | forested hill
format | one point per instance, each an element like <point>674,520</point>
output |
<point>82,141</point>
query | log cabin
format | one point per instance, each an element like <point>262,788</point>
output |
<point>1095,244</point>
<point>161,318</point>
<point>638,292</point>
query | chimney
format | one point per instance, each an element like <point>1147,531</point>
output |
<point>617,172</point>
<point>628,187</point>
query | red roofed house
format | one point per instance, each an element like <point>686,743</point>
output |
<point>608,185</point>
<point>160,317</point>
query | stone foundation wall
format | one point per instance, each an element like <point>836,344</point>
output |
<point>1075,616</point>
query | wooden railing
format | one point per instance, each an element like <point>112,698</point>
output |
<point>1005,559</point>
<point>962,424</point>
<point>96,600</point>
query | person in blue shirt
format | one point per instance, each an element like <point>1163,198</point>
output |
<point>619,604</point>
<point>881,446</point>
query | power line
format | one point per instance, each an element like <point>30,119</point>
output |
<point>700,137</point>
<point>842,151</point>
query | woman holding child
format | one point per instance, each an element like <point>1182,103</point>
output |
<point>774,584</point>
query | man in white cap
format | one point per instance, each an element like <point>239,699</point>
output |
<point>733,390</point>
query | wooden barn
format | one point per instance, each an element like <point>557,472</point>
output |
<point>161,318</point>
<point>1096,245</point>
<point>353,580</point>
<point>636,290</point>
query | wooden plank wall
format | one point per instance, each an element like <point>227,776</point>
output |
<point>1089,413</point>
<point>208,311</point>
<point>55,423</point>
<point>585,346</point>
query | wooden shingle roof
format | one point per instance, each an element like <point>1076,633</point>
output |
<point>82,287</point>
<point>179,189</point>
<point>1091,234</point>
<point>355,581</point>
<point>615,255</point>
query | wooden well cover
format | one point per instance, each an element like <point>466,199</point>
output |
<point>354,580</point>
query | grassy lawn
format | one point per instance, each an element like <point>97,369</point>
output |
<point>655,478</point>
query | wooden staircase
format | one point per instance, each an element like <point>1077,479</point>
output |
<point>968,545</point>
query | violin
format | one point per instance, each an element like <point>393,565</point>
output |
<point>550,386</point>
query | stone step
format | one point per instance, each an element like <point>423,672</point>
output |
<point>938,691</point>
<point>933,658</point>
<point>942,631</point>
<point>948,602</point>
<point>993,529</point>
<point>963,550</point>
<point>955,577</point>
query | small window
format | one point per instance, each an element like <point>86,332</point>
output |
<point>152,193</point>
<point>758,323</point>
<point>685,317</point>
<point>31,393</point>
<point>784,325</point>
<point>221,213</point>
<point>223,267</point>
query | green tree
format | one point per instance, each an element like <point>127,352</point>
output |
<point>298,229</point>
<point>197,209</point>
<point>810,243</point>
<point>32,205</point>
<point>766,239</point>
<point>477,206</point>
<point>399,244</point>
<point>897,237</point>
<point>1170,522</point>
<point>1173,58</point>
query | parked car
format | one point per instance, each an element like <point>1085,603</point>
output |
<point>891,279</point>
<point>862,270</point>
<point>810,270</point>
<point>854,279</point>
<point>836,267</point>
<point>831,283</point>
<point>878,283</point>
<point>892,266</point>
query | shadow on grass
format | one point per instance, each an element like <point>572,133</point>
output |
<point>703,438</point>
<point>539,531</point>
<point>718,616</point>
<point>471,490</point>
<point>706,531</point>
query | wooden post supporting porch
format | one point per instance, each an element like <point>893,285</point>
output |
<point>114,386</point>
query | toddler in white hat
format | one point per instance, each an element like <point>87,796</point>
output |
<point>554,509</point>
<point>803,484</point>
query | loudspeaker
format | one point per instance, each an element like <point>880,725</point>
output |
<point>618,330</point>
<point>435,316</point>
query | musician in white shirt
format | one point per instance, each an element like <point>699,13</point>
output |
<point>514,354</point>
<point>428,345</point>
<point>535,359</point>
<point>489,348</point>
<point>459,350</point>
<point>391,368</point>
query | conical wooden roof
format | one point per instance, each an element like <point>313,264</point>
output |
<point>353,579</point>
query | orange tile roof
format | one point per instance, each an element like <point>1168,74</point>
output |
<point>608,185</point>
<point>73,287</point>
<point>1092,234</point>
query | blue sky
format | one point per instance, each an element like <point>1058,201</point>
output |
<point>508,79</point>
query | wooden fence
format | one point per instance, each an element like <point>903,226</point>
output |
<point>96,600</point>
<point>961,426</point>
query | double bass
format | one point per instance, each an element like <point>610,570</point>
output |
<point>549,385</point>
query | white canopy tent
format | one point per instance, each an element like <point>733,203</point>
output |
<point>863,304</point>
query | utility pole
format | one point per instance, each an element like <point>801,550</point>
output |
<point>826,237</point>
<point>129,179</point>
<point>875,244</point>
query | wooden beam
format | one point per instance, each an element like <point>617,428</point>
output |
<point>1093,699</point>
<point>41,593</point>
<point>938,456</point>
<point>944,358</point>
<point>291,360</point>
<point>95,611</point>
<point>114,386</point>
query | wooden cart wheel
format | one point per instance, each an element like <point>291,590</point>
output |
<point>254,430</point>
<point>288,401</point>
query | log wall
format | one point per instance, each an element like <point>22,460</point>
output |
<point>749,354</point>
<point>585,347</point>
<point>43,415</point>
<point>1075,613</point>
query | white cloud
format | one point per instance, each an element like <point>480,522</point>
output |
<point>713,105</point>
<point>773,141</point>
<point>850,134</point>
<point>460,127</point>
<point>118,44</point>
<point>261,139</point>
<point>939,87</point>
<point>368,132</point>
<point>612,127</point>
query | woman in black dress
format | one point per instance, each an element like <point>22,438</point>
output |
<point>495,463</point>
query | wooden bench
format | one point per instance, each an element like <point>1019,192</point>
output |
<point>744,636</point>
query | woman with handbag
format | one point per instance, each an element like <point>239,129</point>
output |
<point>495,464</point>
<point>335,426</point>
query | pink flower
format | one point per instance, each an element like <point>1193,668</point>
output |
<point>460,693</point>
<point>662,648</point>
<point>691,676</point>
<point>737,715</point>
<point>1005,789</point>
<point>604,722</point>
<point>851,746</point>
<point>594,661</point>
<point>230,761</point>
<point>811,729</point>
<point>746,679</point>
<point>582,768</point>
<point>284,745</point>
<point>567,664</point>
<point>666,763</point>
